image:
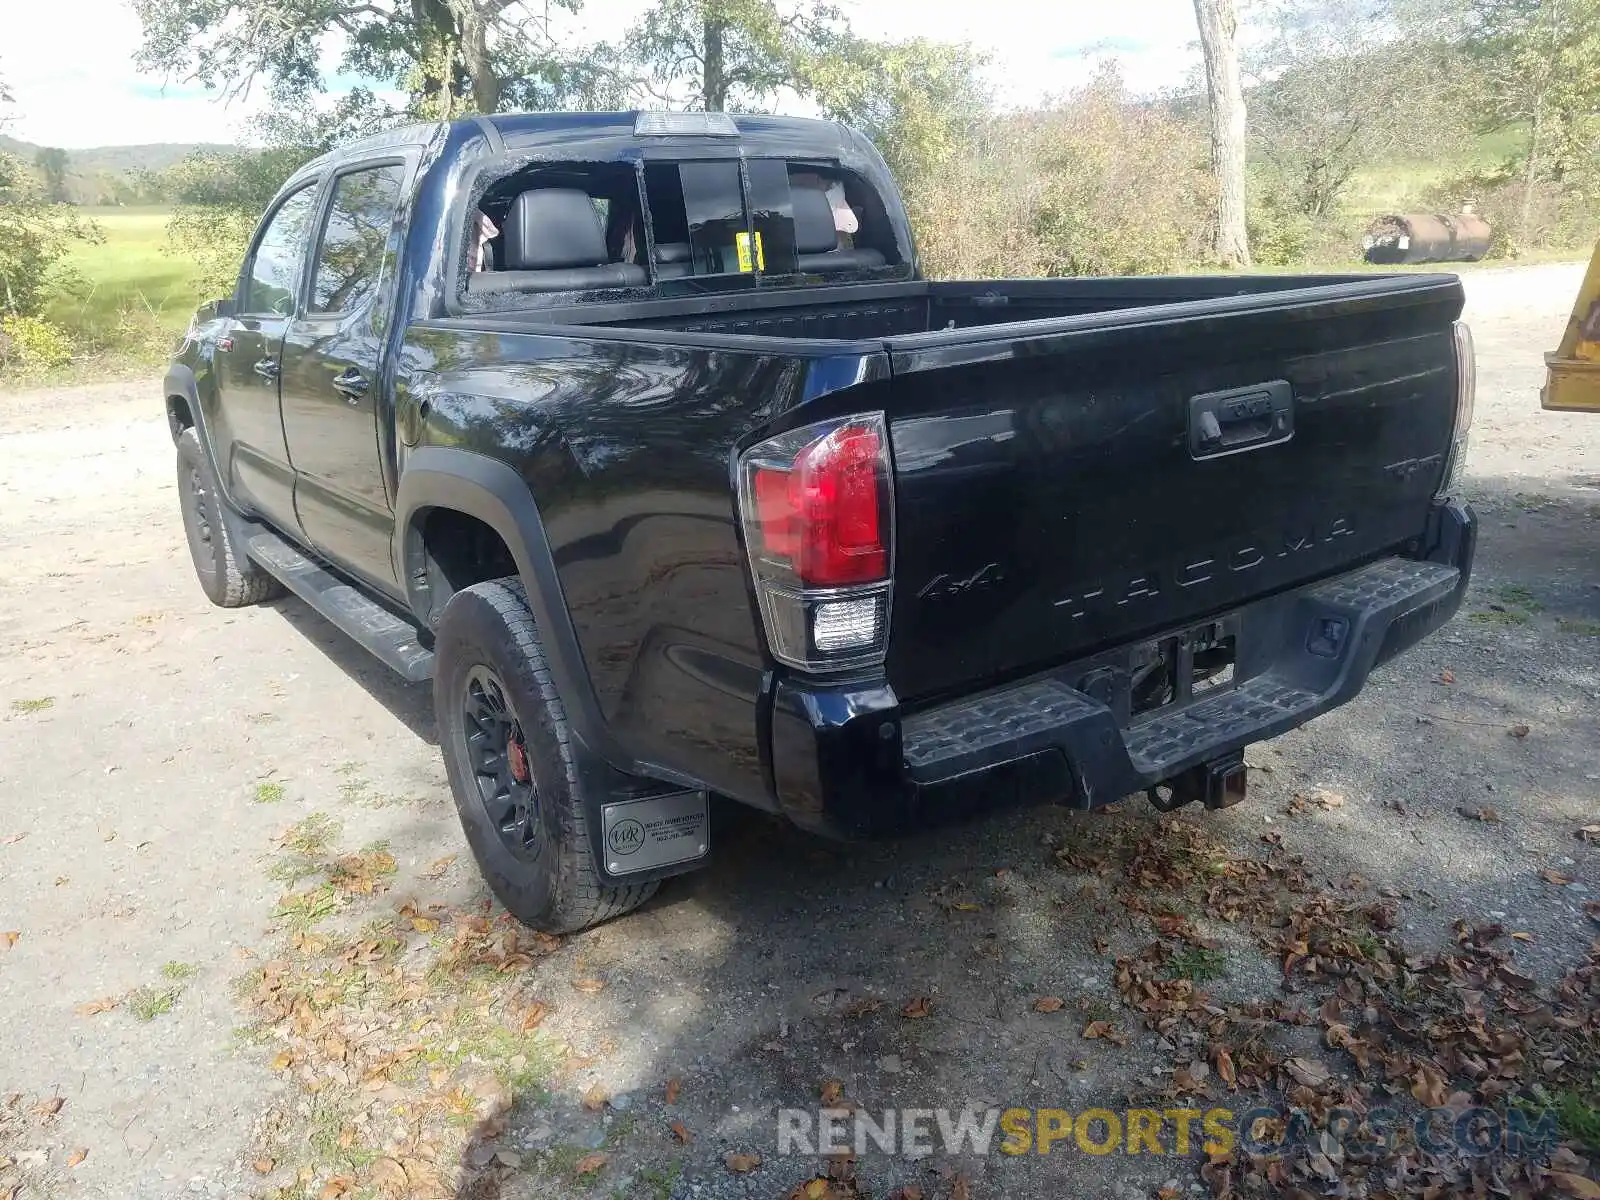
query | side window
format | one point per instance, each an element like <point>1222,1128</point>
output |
<point>274,277</point>
<point>350,257</point>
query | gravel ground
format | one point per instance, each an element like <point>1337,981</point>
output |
<point>154,749</point>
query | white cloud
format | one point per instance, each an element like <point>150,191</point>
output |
<point>76,85</point>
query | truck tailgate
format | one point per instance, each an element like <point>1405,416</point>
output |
<point>1062,486</point>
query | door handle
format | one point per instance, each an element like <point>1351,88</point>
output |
<point>1241,419</point>
<point>351,384</point>
<point>267,368</point>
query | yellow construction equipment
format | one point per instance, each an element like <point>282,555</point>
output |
<point>1574,368</point>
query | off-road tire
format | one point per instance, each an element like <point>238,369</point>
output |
<point>227,576</point>
<point>557,888</point>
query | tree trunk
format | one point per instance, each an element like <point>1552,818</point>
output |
<point>486,85</point>
<point>714,87</point>
<point>1219,28</point>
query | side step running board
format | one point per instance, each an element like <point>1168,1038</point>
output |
<point>391,639</point>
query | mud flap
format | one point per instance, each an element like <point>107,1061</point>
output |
<point>655,832</point>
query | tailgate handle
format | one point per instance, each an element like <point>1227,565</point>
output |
<point>1241,419</point>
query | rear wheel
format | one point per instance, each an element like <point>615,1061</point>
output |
<point>508,752</point>
<point>226,575</point>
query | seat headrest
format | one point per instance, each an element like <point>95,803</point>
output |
<point>672,252</point>
<point>550,229</point>
<point>814,232</point>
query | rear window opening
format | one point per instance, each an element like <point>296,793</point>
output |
<point>675,227</point>
<point>557,227</point>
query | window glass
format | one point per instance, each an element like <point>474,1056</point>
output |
<point>713,204</point>
<point>350,259</point>
<point>772,214</point>
<point>274,278</point>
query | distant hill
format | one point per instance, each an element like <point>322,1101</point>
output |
<point>116,160</point>
<point>114,174</point>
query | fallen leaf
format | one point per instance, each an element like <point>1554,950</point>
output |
<point>742,1164</point>
<point>681,1132</point>
<point>1518,731</point>
<point>77,1156</point>
<point>390,1177</point>
<point>815,1189</point>
<point>49,1106</point>
<point>1048,1004</point>
<point>8,938</point>
<point>1485,814</point>
<point>90,1007</point>
<point>537,1012</point>
<point>11,839</point>
<point>338,1186</point>
<point>589,1164</point>
<point>1447,676</point>
<point>1575,1185</point>
<point>673,1086</point>
<point>1522,937</point>
<point>916,1008</point>
<point>1105,1030</point>
<point>862,1007</point>
<point>1588,833</point>
<point>910,1192</point>
<point>1551,875</point>
<point>282,1061</point>
<point>832,1093</point>
<point>960,1189</point>
<point>263,1166</point>
<point>439,866</point>
<point>589,986</point>
<point>1223,1061</point>
<point>595,1098</point>
<point>1306,1071</point>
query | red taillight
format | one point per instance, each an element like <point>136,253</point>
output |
<point>823,514</point>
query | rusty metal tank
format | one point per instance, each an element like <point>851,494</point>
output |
<point>1427,238</point>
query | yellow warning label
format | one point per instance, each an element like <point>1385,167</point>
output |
<point>742,242</point>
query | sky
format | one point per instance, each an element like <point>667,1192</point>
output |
<point>94,95</point>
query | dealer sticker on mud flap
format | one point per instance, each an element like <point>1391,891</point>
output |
<point>660,831</point>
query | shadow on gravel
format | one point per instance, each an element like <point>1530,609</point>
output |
<point>410,703</point>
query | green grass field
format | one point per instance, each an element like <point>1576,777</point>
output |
<point>132,296</point>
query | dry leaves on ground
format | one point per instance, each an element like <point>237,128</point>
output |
<point>589,1164</point>
<point>589,986</point>
<point>681,1132</point>
<point>91,1007</point>
<point>77,1156</point>
<point>741,1164</point>
<point>1048,1004</point>
<point>916,1008</point>
<point>1551,875</point>
<point>674,1085</point>
<point>8,938</point>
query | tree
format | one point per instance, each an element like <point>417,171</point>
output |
<point>52,164</point>
<point>717,54</point>
<point>1219,35</point>
<point>450,57</point>
<point>1347,84</point>
<point>1541,64</point>
<point>922,103</point>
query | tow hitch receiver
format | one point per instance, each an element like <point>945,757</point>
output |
<point>1220,783</point>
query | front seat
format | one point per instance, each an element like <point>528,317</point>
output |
<point>673,260</point>
<point>552,240</point>
<point>816,241</point>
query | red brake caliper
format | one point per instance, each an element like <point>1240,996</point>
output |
<point>517,756</point>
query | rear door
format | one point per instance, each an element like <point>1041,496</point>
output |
<point>331,387</point>
<point>1069,485</point>
<point>247,436</point>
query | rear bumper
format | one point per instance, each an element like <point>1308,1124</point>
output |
<point>848,763</point>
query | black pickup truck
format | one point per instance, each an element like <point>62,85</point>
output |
<point>643,437</point>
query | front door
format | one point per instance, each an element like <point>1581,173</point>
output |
<point>333,406</point>
<point>246,431</point>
